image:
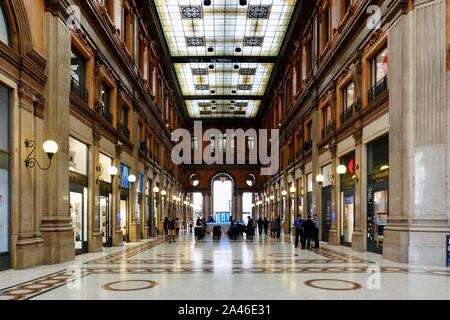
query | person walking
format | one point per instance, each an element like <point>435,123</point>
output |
<point>266,225</point>
<point>278,226</point>
<point>299,232</point>
<point>272,228</point>
<point>171,228</point>
<point>166,226</point>
<point>250,229</point>
<point>177,227</point>
<point>309,227</point>
<point>260,226</point>
<point>316,230</point>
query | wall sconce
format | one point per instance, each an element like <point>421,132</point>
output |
<point>284,194</point>
<point>341,169</point>
<point>50,148</point>
<point>320,178</point>
<point>272,197</point>
<point>132,178</point>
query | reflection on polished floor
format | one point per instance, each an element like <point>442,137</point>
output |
<point>207,269</point>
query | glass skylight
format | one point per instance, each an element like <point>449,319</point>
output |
<point>257,29</point>
<point>224,50</point>
<point>223,78</point>
<point>222,108</point>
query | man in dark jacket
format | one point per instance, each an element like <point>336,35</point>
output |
<point>308,227</point>
<point>250,229</point>
<point>166,226</point>
<point>278,226</point>
<point>266,225</point>
<point>299,232</point>
<point>260,226</point>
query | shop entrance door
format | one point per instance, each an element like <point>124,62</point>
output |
<point>124,217</point>
<point>4,180</point>
<point>326,212</point>
<point>347,216</point>
<point>377,214</point>
<point>78,216</point>
<point>105,219</point>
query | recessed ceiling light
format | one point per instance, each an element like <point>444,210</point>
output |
<point>207,2</point>
<point>213,91</point>
<point>213,101</point>
<point>236,67</point>
<point>233,91</point>
<point>243,2</point>
<point>232,101</point>
<point>210,49</point>
<point>238,49</point>
<point>211,66</point>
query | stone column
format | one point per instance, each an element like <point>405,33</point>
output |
<point>419,146</point>
<point>359,239</point>
<point>333,238</point>
<point>95,238</point>
<point>317,188</point>
<point>57,230</point>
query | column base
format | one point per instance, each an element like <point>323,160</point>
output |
<point>395,244</point>
<point>96,243</point>
<point>428,241</point>
<point>117,240</point>
<point>333,237</point>
<point>59,246</point>
<point>29,253</point>
<point>135,232</point>
<point>358,243</point>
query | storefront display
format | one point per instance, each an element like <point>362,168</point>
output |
<point>78,196</point>
<point>377,192</point>
<point>4,179</point>
<point>309,195</point>
<point>124,194</point>
<point>105,190</point>
<point>347,201</point>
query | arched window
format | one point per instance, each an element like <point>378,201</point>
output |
<point>4,31</point>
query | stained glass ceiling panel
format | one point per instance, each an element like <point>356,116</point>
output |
<point>225,28</point>
<point>222,108</point>
<point>223,78</point>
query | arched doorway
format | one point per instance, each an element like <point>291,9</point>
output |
<point>222,195</point>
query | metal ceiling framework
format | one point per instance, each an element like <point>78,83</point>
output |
<point>224,52</point>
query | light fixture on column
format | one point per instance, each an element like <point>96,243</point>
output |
<point>284,194</point>
<point>272,197</point>
<point>156,190</point>
<point>292,190</point>
<point>163,193</point>
<point>132,178</point>
<point>50,148</point>
<point>267,200</point>
<point>341,169</point>
<point>113,171</point>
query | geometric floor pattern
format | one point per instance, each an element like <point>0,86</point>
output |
<point>262,269</point>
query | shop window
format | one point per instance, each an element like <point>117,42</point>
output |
<point>124,174</point>
<point>4,178</point>
<point>106,104</point>
<point>106,163</point>
<point>78,157</point>
<point>4,30</point>
<point>378,74</point>
<point>327,121</point>
<point>348,96</point>
<point>78,73</point>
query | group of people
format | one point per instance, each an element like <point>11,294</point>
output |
<point>171,228</point>
<point>307,230</point>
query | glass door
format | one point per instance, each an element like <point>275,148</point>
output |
<point>377,214</point>
<point>326,212</point>
<point>4,180</point>
<point>123,217</point>
<point>347,217</point>
<point>105,220</point>
<point>78,216</point>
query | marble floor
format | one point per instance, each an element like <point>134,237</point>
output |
<point>262,269</point>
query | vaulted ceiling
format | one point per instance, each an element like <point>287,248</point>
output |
<point>224,51</point>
